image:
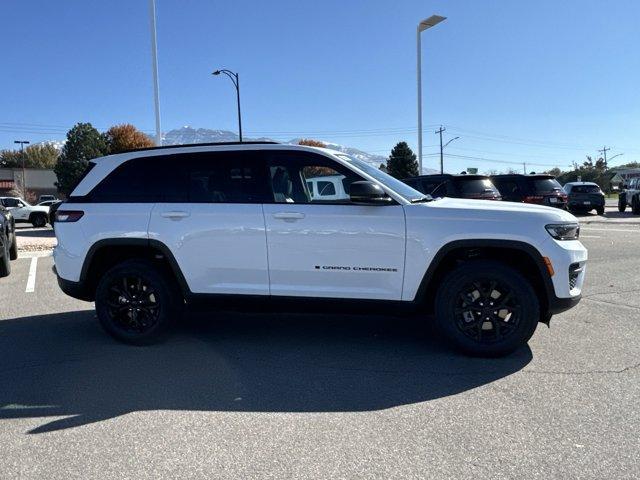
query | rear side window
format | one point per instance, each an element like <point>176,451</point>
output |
<point>508,187</point>
<point>544,185</point>
<point>437,188</point>
<point>228,177</point>
<point>144,180</point>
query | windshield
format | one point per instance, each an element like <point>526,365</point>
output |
<point>401,188</point>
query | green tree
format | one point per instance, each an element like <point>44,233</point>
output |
<point>83,143</point>
<point>402,162</point>
<point>41,155</point>
<point>10,159</point>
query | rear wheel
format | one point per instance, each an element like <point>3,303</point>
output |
<point>5,264</point>
<point>136,303</point>
<point>13,249</point>
<point>39,220</point>
<point>635,206</point>
<point>485,308</point>
<point>600,210</point>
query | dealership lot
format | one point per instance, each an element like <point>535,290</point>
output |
<point>312,396</point>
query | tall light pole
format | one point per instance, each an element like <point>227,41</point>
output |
<point>432,21</point>
<point>24,181</point>
<point>154,66</point>
<point>235,78</point>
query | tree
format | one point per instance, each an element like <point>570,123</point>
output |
<point>309,142</point>
<point>83,143</point>
<point>402,162</point>
<point>126,137</point>
<point>40,155</point>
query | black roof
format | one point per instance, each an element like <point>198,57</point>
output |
<point>213,144</point>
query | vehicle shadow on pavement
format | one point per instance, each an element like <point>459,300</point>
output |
<point>63,365</point>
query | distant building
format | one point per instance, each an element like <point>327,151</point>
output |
<point>38,182</point>
<point>623,175</point>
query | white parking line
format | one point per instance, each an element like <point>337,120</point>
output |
<point>31,280</point>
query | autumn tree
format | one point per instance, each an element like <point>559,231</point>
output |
<point>309,142</point>
<point>120,138</point>
<point>83,143</point>
<point>402,162</point>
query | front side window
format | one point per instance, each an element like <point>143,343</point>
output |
<point>304,178</point>
<point>10,202</point>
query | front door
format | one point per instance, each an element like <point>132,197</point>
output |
<point>329,247</point>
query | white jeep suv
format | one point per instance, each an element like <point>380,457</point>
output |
<point>24,212</point>
<point>148,232</point>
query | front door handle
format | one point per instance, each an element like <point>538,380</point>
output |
<point>175,214</point>
<point>288,215</point>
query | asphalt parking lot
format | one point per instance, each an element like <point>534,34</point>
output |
<point>311,396</point>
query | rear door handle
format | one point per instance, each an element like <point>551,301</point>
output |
<point>174,214</point>
<point>288,215</point>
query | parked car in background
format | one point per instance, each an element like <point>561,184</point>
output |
<point>46,198</point>
<point>52,212</point>
<point>10,231</point>
<point>23,212</point>
<point>630,196</point>
<point>456,186</point>
<point>5,246</point>
<point>541,189</point>
<point>583,197</point>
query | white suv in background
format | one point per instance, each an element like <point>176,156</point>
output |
<point>149,231</point>
<point>24,212</point>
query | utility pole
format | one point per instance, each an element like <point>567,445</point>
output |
<point>604,153</point>
<point>439,131</point>
<point>524,167</point>
<point>154,67</point>
<point>24,182</point>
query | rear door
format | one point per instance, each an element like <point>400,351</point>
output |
<point>216,232</point>
<point>331,248</point>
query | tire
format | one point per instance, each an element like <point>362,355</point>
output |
<point>5,263</point>
<point>635,206</point>
<point>622,202</point>
<point>39,220</point>
<point>457,306</point>
<point>13,249</point>
<point>147,321</point>
<point>600,210</point>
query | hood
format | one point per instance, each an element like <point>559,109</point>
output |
<point>481,209</point>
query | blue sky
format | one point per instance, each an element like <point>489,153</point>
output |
<point>546,82</point>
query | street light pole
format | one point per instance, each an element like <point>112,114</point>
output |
<point>154,65</point>
<point>432,21</point>
<point>24,181</point>
<point>235,79</point>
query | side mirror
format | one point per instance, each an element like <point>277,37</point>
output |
<point>368,193</point>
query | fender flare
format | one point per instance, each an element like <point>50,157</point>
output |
<point>527,248</point>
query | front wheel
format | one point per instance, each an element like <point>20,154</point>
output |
<point>136,303</point>
<point>487,309</point>
<point>622,202</point>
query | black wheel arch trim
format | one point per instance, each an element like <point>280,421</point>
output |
<point>151,244</point>
<point>554,304</point>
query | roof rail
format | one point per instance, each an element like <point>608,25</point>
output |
<point>212,144</point>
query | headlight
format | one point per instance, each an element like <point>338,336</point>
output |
<point>564,231</point>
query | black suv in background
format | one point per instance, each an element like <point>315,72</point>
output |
<point>534,188</point>
<point>584,196</point>
<point>457,186</point>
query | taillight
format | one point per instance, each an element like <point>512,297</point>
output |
<point>68,216</point>
<point>533,199</point>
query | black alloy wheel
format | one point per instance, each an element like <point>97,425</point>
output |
<point>133,304</point>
